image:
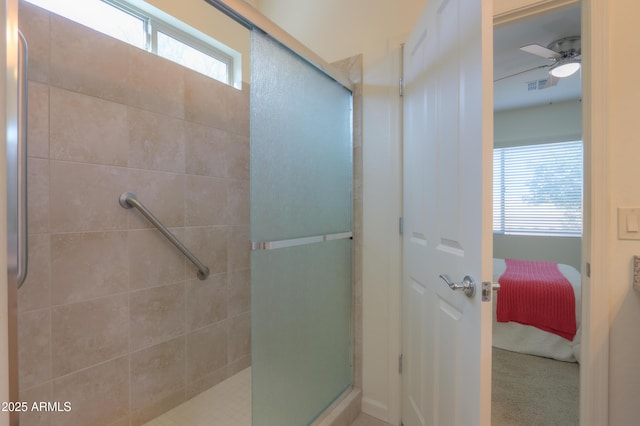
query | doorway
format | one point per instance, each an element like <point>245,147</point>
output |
<point>537,118</point>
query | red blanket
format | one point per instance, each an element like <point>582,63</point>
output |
<point>537,294</point>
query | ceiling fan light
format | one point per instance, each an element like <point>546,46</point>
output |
<point>565,69</point>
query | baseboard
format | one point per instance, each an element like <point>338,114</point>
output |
<point>375,409</point>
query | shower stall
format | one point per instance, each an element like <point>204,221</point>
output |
<point>254,186</point>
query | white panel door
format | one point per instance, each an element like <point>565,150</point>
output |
<point>448,132</point>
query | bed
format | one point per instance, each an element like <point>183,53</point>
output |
<point>527,339</point>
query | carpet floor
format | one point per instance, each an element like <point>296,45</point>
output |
<point>533,391</point>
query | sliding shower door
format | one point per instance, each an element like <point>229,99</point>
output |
<point>301,223</point>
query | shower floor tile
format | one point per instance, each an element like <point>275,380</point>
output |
<point>226,404</point>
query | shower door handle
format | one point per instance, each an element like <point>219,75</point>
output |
<point>21,160</point>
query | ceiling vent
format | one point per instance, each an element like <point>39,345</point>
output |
<point>536,85</point>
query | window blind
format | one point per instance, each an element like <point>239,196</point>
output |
<point>537,189</point>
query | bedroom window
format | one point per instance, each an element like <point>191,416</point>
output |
<point>124,21</point>
<point>537,189</point>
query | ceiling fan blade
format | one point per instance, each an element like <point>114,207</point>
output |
<point>551,81</point>
<point>538,50</point>
<point>521,72</point>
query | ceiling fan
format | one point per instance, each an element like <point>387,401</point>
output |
<point>565,55</point>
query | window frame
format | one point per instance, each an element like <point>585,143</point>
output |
<point>502,206</point>
<point>154,22</point>
<point>156,25</point>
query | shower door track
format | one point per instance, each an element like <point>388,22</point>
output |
<point>251,18</point>
<point>273,245</point>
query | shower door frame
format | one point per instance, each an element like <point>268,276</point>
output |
<point>251,19</point>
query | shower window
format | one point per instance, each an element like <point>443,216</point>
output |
<point>116,22</point>
<point>177,51</point>
<point>143,29</point>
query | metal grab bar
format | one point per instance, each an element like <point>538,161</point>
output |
<point>129,200</point>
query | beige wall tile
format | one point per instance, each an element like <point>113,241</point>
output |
<point>35,292</point>
<point>34,24</point>
<point>157,315</point>
<point>210,246</point>
<point>87,333</point>
<point>206,381</point>
<point>239,292</point>
<point>35,395</point>
<point>37,195</point>
<point>238,110</point>
<point>162,193</point>
<point>207,149</point>
<point>38,120</point>
<point>34,351</point>
<point>88,265</point>
<point>156,84</point>
<point>99,395</point>
<point>239,365</point>
<point>118,286</point>
<point>357,174</point>
<point>206,301</point>
<point>206,351</point>
<point>88,129</point>
<point>85,197</point>
<point>239,247</point>
<point>240,336</point>
<point>87,61</point>
<point>205,100</point>
<point>205,201</point>
<point>238,157</point>
<point>153,260</point>
<point>157,141</point>
<point>238,202</point>
<point>157,373</point>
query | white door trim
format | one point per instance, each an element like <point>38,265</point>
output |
<point>594,368</point>
<point>510,10</point>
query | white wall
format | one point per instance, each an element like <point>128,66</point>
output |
<point>624,191</point>
<point>565,250</point>
<point>558,122</point>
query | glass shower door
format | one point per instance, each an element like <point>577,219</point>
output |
<point>301,223</point>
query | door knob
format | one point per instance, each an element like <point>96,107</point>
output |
<point>468,285</point>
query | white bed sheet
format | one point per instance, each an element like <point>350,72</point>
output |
<point>531,340</point>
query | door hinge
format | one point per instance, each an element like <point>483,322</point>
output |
<point>401,225</point>
<point>588,269</point>
<point>400,364</point>
<point>401,87</point>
